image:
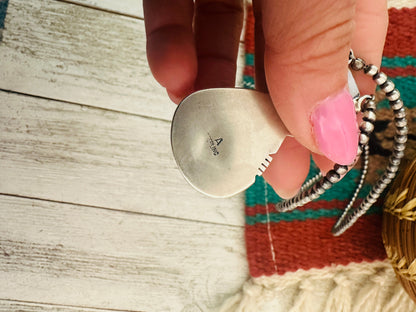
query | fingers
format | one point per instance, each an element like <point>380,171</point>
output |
<point>289,168</point>
<point>188,52</point>
<point>171,49</point>
<point>218,27</point>
<point>307,46</point>
<point>371,20</point>
<point>323,163</point>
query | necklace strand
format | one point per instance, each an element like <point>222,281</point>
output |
<point>316,186</point>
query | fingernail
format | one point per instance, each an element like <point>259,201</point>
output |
<point>334,125</point>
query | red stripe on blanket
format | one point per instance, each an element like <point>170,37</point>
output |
<point>249,35</point>
<point>315,205</point>
<point>401,35</point>
<point>399,71</point>
<point>249,70</point>
<point>310,244</point>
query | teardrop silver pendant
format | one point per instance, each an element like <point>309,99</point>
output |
<point>222,138</point>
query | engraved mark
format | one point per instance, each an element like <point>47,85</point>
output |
<point>213,145</point>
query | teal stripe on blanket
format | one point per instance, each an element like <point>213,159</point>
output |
<point>342,190</point>
<point>406,86</point>
<point>392,62</point>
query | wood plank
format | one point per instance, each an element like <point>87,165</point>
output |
<point>22,306</point>
<point>68,52</point>
<point>85,155</point>
<point>83,256</point>
<point>133,8</point>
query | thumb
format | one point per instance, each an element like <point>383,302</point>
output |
<point>307,43</point>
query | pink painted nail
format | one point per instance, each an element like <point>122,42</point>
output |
<point>334,124</point>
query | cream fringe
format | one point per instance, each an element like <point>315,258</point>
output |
<point>356,287</point>
<point>398,4</point>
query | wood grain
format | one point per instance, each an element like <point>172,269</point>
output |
<point>90,257</point>
<point>24,306</point>
<point>133,8</point>
<point>73,53</point>
<point>89,156</point>
<point>132,235</point>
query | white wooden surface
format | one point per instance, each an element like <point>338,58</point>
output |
<point>133,8</point>
<point>94,215</point>
<point>84,155</point>
<point>82,55</point>
<point>84,256</point>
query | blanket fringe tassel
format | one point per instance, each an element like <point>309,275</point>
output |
<point>356,287</point>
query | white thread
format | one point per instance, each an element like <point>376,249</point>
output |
<point>269,232</point>
<point>339,298</point>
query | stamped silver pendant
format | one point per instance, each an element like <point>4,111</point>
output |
<point>222,138</point>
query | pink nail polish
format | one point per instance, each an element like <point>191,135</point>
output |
<point>334,125</point>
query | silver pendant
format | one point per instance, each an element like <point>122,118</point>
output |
<point>222,138</point>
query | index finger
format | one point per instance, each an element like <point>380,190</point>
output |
<point>170,45</point>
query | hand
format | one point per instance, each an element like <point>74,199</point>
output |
<point>301,55</point>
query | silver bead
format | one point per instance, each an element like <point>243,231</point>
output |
<point>313,196</point>
<point>398,153</point>
<point>402,130</point>
<point>369,115</point>
<point>390,175</point>
<point>392,168</point>
<point>393,95</point>
<point>400,122</point>
<point>369,105</point>
<point>371,200</point>
<point>400,138</point>
<point>326,184</point>
<point>397,104</point>
<point>320,190</point>
<point>364,138</point>
<point>360,149</point>
<point>333,176</point>
<point>394,161</point>
<point>373,194</point>
<point>380,78</point>
<point>304,200</point>
<point>377,190</point>
<point>386,179</point>
<point>399,147</point>
<point>366,127</point>
<point>357,64</point>
<point>371,70</point>
<point>400,113</point>
<point>381,185</point>
<point>388,86</point>
<point>341,169</point>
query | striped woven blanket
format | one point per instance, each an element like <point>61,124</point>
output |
<point>295,262</point>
